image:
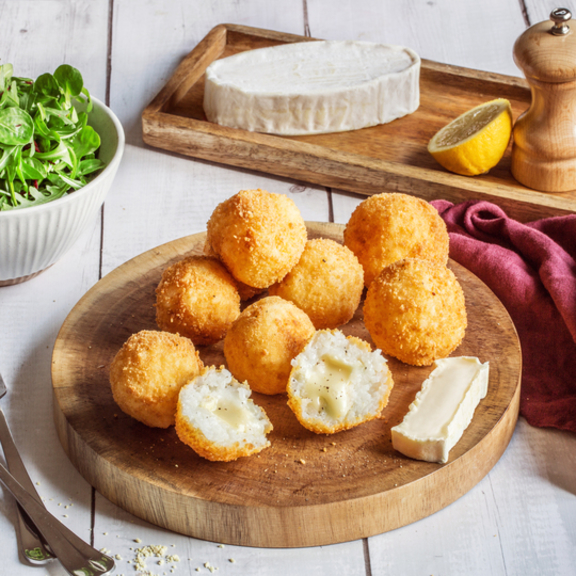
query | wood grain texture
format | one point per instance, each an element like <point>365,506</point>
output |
<point>145,55</point>
<point>41,36</point>
<point>503,512</point>
<point>358,487</point>
<point>160,197</point>
<point>389,157</point>
<point>471,34</point>
<point>539,10</point>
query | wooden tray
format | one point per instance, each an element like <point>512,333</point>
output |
<point>352,485</point>
<point>390,157</point>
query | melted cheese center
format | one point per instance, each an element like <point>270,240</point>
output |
<point>228,408</point>
<point>327,386</point>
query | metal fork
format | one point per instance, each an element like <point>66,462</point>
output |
<point>75,555</point>
<point>32,549</point>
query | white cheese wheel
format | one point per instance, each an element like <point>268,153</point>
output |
<point>313,87</point>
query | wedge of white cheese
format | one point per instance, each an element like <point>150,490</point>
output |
<point>313,87</point>
<point>442,409</point>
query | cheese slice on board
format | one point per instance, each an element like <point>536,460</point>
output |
<point>442,409</point>
<point>313,87</point>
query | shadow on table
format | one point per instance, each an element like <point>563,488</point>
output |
<point>555,452</point>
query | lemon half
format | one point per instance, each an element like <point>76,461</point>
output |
<point>475,141</point>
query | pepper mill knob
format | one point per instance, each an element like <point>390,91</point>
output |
<point>544,145</point>
<point>560,16</point>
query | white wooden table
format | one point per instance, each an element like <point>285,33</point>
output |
<point>520,519</point>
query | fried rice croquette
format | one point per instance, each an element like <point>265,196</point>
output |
<point>258,235</point>
<point>246,292</point>
<point>386,228</point>
<point>338,382</point>
<point>261,343</point>
<point>147,373</point>
<point>327,283</point>
<point>197,298</point>
<point>415,311</point>
<point>217,418</point>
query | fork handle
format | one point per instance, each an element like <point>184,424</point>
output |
<point>75,555</point>
<point>32,549</point>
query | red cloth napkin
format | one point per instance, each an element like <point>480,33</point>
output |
<point>532,269</point>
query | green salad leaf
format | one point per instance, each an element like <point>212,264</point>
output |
<point>47,149</point>
<point>16,126</point>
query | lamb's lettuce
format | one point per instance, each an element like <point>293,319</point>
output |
<point>47,149</point>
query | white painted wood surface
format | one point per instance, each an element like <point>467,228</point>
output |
<point>521,519</point>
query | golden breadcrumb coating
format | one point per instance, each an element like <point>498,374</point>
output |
<point>338,382</point>
<point>197,298</point>
<point>263,340</point>
<point>388,227</point>
<point>326,283</point>
<point>258,235</point>
<point>415,311</point>
<point>147,373</point>
<point>216,438</point>
<point>246,292</point>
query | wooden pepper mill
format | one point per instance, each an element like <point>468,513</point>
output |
<point>544,148</point>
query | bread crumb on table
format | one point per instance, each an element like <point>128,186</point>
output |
<point>173,558</point>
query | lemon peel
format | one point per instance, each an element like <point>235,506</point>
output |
<point>474,142</point>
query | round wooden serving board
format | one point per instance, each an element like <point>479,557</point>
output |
<point>304,490</point>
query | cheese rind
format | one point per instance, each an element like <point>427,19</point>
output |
<point>442,409</point>
<point>313,87</point>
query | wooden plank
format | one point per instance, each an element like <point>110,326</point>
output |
<point>539,10</point>
<point>391,156</point>
<point>164,34</point>
<point>475,35</point>
<point>524,525</point>
<point>535,513</point>
<point>122,529</point>
<point>448,541</point>
<point>162,196</point>
<point>45,34</point>
<point>41,36</point>
<point>185,193</point>
<point>519,519</point>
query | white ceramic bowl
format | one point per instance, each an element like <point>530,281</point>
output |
<point>32,239</point>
